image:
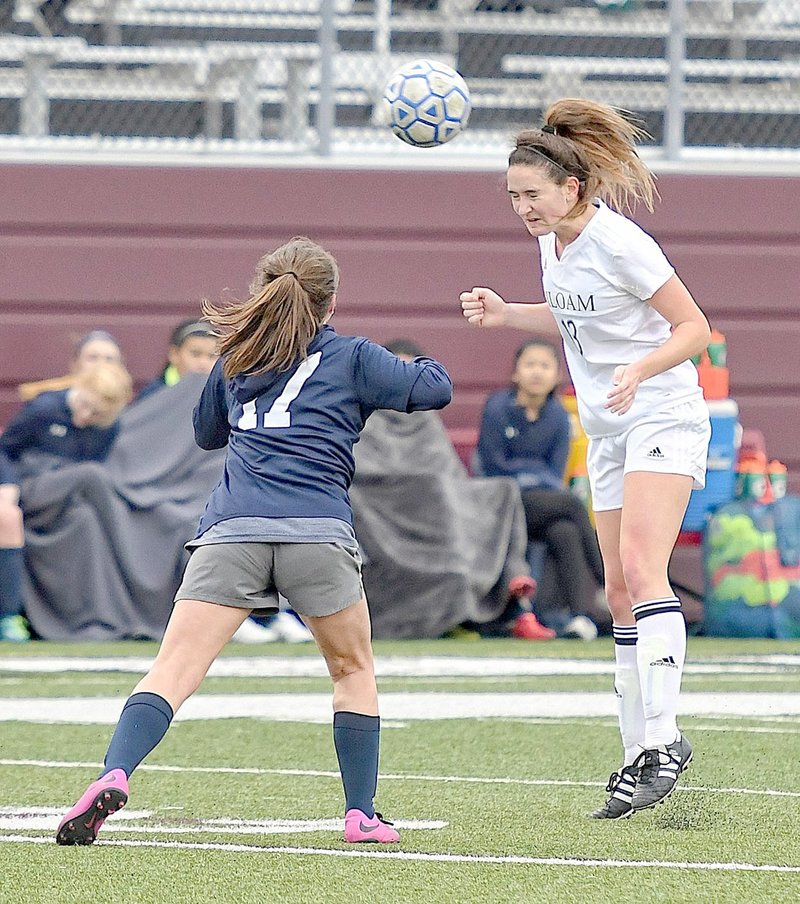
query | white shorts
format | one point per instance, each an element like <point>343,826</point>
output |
<point>665,442</point>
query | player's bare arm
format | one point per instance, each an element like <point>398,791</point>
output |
<point>690,335</point>
<point>484,307</point>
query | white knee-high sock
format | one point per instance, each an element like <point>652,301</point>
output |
<point>630,711</point>
<point>660,654</point>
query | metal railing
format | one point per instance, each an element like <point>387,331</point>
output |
<point>306,76</point>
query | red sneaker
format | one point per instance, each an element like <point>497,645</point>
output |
<point>528,627</point>
<point>522,585</point>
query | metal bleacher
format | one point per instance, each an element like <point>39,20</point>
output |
<point>252,70</point>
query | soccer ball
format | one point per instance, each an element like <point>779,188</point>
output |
<point>428,103</point>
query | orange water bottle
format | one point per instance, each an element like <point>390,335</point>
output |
<point>712,370</point>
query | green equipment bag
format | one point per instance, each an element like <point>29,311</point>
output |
<point>751,564</point>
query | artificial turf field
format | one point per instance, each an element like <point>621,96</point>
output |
<point>493,752</point>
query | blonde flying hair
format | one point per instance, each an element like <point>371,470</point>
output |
<point>289,298</point>
<point>597,145</point>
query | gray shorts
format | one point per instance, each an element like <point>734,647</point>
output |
<point>316,578</point>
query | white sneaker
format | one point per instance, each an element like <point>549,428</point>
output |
<point>251,632</point>
<point>290,629</point>
<point>580,628</point>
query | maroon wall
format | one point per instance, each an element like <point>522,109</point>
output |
<point>134,249</point>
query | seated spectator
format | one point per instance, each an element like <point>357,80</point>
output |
<point>97,347</point>
<point>192,350</point>
<point>55,427</point>
<point>525,434</point>
<point>104,540</point>
<point>74,424</point>
<point>441,550</point>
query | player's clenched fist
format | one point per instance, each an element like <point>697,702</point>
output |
<point>483,307</point>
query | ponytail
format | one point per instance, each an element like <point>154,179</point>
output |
<point>597,145</point>
<point>289,299</point>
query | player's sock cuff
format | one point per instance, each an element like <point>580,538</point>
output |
<point>625,635</point>
<point>656,607</point>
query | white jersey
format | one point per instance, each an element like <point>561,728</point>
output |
<point>597,293</point>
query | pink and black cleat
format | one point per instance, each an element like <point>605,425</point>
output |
<point>102,798</point>
<point>358,827</point>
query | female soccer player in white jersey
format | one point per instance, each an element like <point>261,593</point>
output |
<point>629,326</point>
<point>289,398</point>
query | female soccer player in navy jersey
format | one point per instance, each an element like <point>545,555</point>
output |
<point>629,326</point>
<point>288,397</point>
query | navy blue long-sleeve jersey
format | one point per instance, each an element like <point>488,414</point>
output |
<point>290,435</point>
<point>45,424</point>
<point>534,452</point>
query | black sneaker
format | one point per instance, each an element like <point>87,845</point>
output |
<point>621,785</point>
<point>659,769</point>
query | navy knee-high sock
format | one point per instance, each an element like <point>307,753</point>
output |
<point>357,741</point>
<point>10,581</point>
<point>142,724</point>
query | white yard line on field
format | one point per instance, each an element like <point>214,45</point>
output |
<point>392,666</point>
<point>20,819</point>
<point>384,776</point>
<point>409,706</point>
<point>429,858</point>
<point>726,726</point>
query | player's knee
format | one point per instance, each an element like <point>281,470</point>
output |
<point>350,664</point>
<point>637,571</point>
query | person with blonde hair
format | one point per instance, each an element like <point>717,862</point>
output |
<point>289,398</point>
<point>629,326</point>
<point>78,423</point>
<point>97,347</point>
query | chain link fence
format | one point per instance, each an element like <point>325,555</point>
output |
<point>306,76</point>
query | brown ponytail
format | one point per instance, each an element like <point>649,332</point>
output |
<point>289,298</point>
<point>596,144</point>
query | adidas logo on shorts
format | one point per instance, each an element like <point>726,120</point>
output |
<point>655,452</point>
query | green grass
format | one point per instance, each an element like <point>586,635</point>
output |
<point>703,647</point>
<point>504,788</point>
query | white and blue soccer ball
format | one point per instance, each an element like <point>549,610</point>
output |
<point>428,103</point>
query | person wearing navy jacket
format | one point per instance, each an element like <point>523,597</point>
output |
<point>525,434</point>
<point>288,398</point>
<point>75,424</point>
